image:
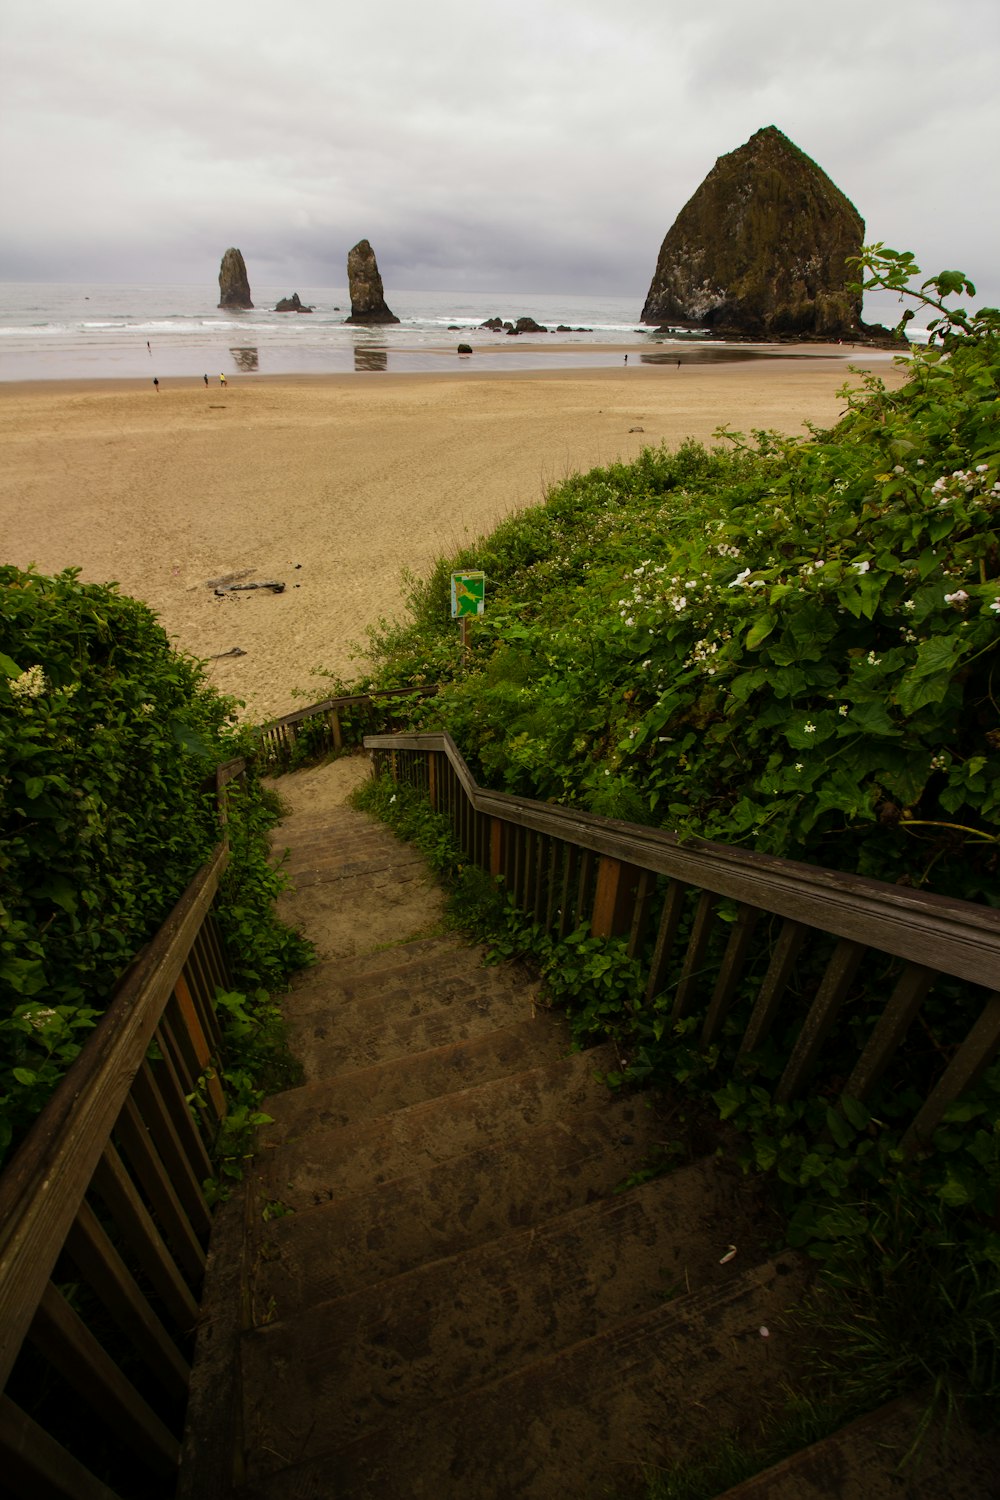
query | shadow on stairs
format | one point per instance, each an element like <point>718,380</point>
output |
<point>432,1284</point>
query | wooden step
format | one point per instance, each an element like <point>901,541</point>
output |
<point>331,1165</point>
<point>332,1248</point>
<point>579,1423</point>
<point>429,1334</point>
<point>420,1075</point>
<point>886,1455</point>
<point>421,955</point>
<point>361,1028</point>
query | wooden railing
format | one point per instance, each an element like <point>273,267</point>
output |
<point>791,928</point>
<point>332,725</point>
<point>104,1225</point>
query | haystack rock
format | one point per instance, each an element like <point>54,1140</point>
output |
<point>367,300</point>
<point>234,288</point>
<point>761,250</point>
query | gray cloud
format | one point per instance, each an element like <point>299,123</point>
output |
<point>542,145</point>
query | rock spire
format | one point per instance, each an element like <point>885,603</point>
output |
<point>367,299</point>
<point>234,288</point>
<point>761,250</point>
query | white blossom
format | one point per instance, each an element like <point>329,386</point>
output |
<point>30,684</point>
<point>861,567</point>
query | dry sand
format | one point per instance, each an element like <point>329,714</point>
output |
<point>334,485</point>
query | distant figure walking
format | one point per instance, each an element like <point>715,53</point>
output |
<point>206,380</point>
<point>626,359</point>
<point>678,364</point>
<point>222,380</point>
<point>157,384</point>
<point>149,346</point>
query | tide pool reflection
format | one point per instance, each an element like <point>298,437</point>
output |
<point>370,359</point>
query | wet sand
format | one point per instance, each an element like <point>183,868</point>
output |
<point>333,485</point>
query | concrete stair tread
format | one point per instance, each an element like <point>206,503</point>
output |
<point>573,1423</point>
<point>339,981</point>
<point>349,1160</point>
<point>510,1301</point>
<point>331,1248</point>
<point>368,1092</point>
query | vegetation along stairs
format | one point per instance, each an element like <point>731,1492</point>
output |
<point>458,1275</point>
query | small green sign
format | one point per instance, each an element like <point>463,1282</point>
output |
<point>468,594</point>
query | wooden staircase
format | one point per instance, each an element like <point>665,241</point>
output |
<point>447,1289</point>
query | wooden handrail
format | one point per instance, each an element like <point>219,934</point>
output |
<point>566,868</point>
<point>916,925</point>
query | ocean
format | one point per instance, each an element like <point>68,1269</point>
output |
<point>50,331</point>
<point>62,332</point>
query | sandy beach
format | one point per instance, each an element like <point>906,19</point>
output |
<point>335,485</point>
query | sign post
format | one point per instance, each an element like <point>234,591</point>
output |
<point>468,598</point>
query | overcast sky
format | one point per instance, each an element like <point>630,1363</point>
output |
<point>532,145</point>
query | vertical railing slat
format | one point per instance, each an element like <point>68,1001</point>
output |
<point>830,996</point>
<point>731,971</point>
<point>148,1166</point>
<point>890,1030</point>
<point>70,1347</point>
<point>694,956</point>
<point>133,1219</point>
<point>103,1268</point>
<point>779,971</point>
<point>975,1054</point>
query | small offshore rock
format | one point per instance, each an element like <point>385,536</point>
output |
<point>465,348</point>
<point>292,304</point>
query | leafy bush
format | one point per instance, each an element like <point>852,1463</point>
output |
<point>107,736</point>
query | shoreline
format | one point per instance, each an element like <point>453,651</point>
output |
<point>335,485</point>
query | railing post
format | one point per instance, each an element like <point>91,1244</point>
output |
<point>432,779</point>
<point>614,899</point>
<point>496,846</point>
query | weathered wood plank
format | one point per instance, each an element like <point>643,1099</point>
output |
<point>779,971</point>
<point>121,1198</point>
<point>837,980</point>
<point>614,898</point>
<point>673,907</point>
<point>34,1465</point>
<point>43,1186</point>
<point>70,1347</point>
<point>139,1149</point>
<point>101,1265</point>
<point>171,1150</point>
<point>644,892</point>
<point>694,957</point>
<point>730,972</point>
<point>890,1030</point>
<point>976,1053</point>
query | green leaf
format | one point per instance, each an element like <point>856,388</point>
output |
<point>760,630</point>
<point>25,1076</point>
<point>9,668</point>
<point>855,1112</point>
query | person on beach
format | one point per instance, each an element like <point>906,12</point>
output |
<point>222,380</point>
<point>626,359</point>
<point>206,380</point>
<point>156,384</point>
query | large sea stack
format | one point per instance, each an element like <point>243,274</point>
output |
<point>367,299</point>
<point>234,288</point>
<point>761,250</point>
